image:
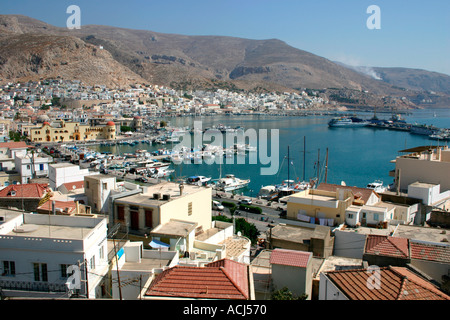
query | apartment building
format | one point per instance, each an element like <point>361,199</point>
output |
<point>37,250</point>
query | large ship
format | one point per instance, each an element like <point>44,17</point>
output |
<point>347,122</point>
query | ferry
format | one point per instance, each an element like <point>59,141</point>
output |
<point>347,122</point>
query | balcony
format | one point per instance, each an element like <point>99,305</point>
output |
<point>32,286</point>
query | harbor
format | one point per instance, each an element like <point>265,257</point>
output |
<point>147,157</point>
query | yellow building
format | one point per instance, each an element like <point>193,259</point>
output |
<point>162,203</point>
<point>319,206</point>
<point>72,131</point>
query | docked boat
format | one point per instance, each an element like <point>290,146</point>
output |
<point>347,122</point>
<point>198,180</point>
<point>231,183</point>
<point>376,186</point>
<point>268,192</point>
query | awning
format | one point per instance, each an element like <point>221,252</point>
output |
<point>158,244</point>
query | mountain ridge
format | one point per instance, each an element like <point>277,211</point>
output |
<point>187,62</point>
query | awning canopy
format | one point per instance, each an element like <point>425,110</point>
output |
<point>159,245</point>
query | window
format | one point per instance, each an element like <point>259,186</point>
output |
<point>189,208</point>
<point>105,186</point>
<point>87,184</point>
<point>63,268</point>
<point>40,272</point>
<point>92,262</point>
<point>9,268</point>
<point>375,217</point>
<point>350,215</point>
<point>101,252</point>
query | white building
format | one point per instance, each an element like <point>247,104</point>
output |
<point>36,251</point>
<point>32,166</point>
<point>60,173</point>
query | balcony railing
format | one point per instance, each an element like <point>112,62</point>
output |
<point>32,286</point>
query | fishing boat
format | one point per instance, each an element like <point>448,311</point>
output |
<point>231,183</point>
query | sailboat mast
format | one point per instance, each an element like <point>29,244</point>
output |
<point>288,167</point>
<point>304,157</point>
<point>318,166</point>
<point>326,167</point>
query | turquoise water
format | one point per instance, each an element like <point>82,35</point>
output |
<point>355,155</point>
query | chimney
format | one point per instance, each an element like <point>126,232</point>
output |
<point>181,189</point>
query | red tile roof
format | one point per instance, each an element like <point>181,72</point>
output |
<point>29,190</point>
<point>218,280</point>
<point>66,206</point>
<point>430,252</point>
<point>387,246</point>
<point>14,145</point>
<point>70,185</point>
<point>364,193</point>
<point>396,283</point>
<point>292,258</point>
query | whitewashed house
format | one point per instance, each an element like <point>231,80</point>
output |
<point>37,249</point>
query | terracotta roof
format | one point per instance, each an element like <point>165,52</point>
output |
<point>223,279</point>
<point>396,283</point>
<point>430,252</point>
<point>364,193</point>
<point>29,190</point>
<point>14,145</point>
<point>292,258</point>
<point>70,185</point>
<point>66,206</point>
<point>387,246</point>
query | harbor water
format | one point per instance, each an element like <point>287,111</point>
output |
<point>356,156</point>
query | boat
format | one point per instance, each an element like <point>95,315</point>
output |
<point>198,180</point>
<point>231,183</point>
<point>376,186</point>
<point>268,192</point>
<point>347,122</point>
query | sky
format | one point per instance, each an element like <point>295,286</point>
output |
<point>412,34</point>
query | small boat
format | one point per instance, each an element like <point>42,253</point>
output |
<point>377,186</point>
<point>231,183</point>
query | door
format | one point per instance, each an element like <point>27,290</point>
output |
<point>134,217</point>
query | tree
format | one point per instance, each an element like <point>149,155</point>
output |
<point>163,124</point>
<point>286,294</point>
<point>247,229</point>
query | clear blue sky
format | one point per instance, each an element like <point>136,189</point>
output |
<point>414,34</point>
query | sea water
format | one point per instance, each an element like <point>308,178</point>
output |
<point>356,156</point>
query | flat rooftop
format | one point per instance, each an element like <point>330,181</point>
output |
<point>292,233</point>
<point>338,263</point>
<point>51,231</point>
<point>422,233</point>
<point>163,188</point>
<point>174,228</point>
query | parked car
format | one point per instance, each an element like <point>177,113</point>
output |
<point>216,205</point>
<point>247,201</point>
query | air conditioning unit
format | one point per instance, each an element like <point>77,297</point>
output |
<point>166,197</point>
<point>157,196</point>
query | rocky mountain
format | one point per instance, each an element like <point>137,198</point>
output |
<point>187,62</point>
